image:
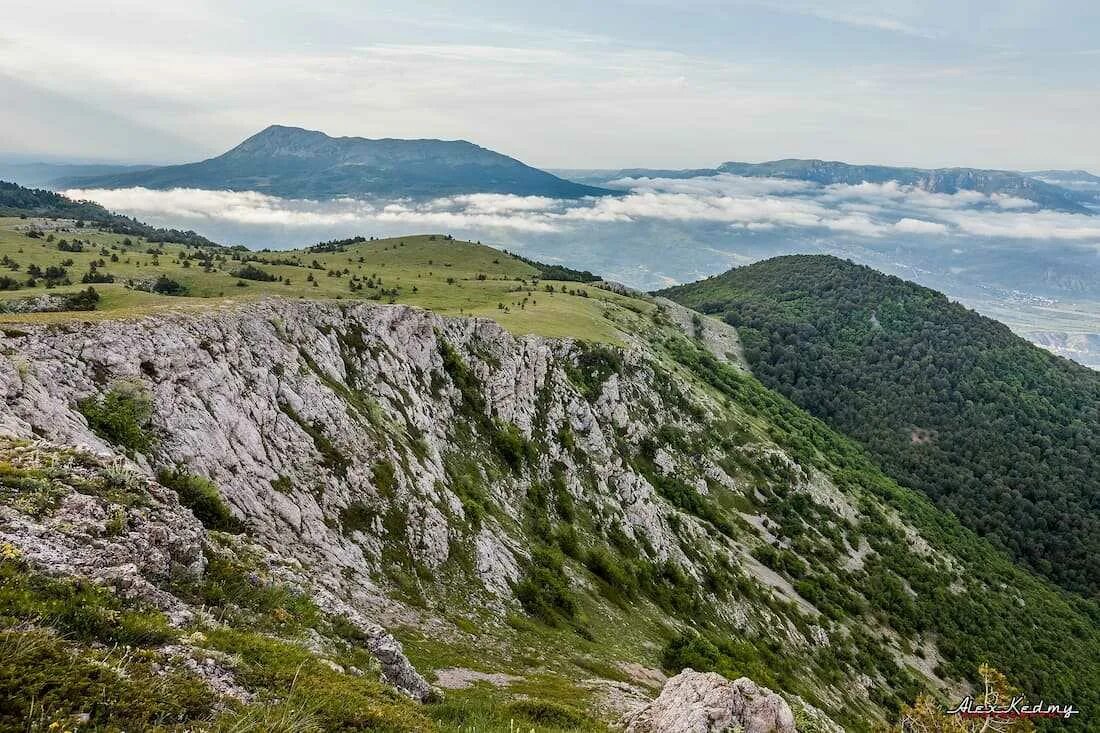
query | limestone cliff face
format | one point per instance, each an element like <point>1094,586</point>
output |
<point>375,449</point>
<point>291,408</point>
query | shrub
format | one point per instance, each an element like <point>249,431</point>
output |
<point>466,482</point>
<point>385,477</point>
<point>780,560</point>
<point>121,416</point>
<point>56,275</point>
<point>95,276</point>
<point>357,517</point>
<point>512,445</point>
<point>544,591</point>
<point>730,657</point>
<point>595,364</point>
<point>166,286</point>
<point>84,300</point>
<point>282,484</point>
<point>607,568</point>
<point>202,498</point>
<point>251,272</point>
<point>473,402</point>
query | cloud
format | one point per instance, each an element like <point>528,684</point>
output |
<point>1042,225</point>
<point>192,205</point>
<point>865,210</point>
<point>919,226</point>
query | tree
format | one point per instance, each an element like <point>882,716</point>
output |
<point>927,716</point>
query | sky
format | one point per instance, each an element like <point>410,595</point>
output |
<point>567,84</point>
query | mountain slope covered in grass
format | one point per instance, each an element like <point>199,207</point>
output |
<point>1000,432</point>
<point>296,163</point>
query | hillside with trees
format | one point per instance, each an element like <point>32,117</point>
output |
<point>990,427</point>
<point>16,200</point>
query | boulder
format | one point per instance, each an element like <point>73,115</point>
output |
<point>705,702</point>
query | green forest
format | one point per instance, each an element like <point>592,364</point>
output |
<point>16,200</point>
<point>990,427</point>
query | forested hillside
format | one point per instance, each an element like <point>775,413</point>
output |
<point>1002,433</point>
<point>16,200</point>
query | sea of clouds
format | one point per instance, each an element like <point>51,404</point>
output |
<point>865,210</point>
<point>1033,268</point>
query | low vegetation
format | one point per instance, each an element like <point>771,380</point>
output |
<point>201,497</point>
<point>135,274</point>
<point>121,416</point>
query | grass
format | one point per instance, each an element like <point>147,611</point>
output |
<point>201,497</point>
<point>430,271</point>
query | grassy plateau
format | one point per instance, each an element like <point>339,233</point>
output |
<point>434,272</point>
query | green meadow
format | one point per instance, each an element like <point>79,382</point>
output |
<point>436,272</point>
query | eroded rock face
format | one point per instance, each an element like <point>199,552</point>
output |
<point>295,410</point>
<point>93,517</point>
<point>133,548</point>
<point>343,438</point>
<point>705,702</point>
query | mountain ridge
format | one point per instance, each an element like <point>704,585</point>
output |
<point>407,462</point>
<point>947,401</point>
<point>933,180</point>
<point>17,200</point>
<point>293,162</point>
<point>1035,188</point>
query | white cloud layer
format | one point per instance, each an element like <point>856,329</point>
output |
<point>864,210</point>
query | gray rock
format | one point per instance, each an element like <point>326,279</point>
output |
<point>705,702</point>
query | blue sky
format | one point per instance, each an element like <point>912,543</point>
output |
<point>564,84</point>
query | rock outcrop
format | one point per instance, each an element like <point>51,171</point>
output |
<point>705,702</point>
<point>387,458</point>
<point>308,415</point>
<point>94,517</point>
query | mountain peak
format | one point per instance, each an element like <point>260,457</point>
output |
<point>294,162</point>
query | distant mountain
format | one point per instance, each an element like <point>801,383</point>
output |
<point>296,163</point>
<point>1083,183</point>
<point>1067,179</point>
<point>1069,191</point>
<point>16,200</point>
<point>933,180</point>
<point>607,176</point>
<point>44,174</point>
<point>992,428</point>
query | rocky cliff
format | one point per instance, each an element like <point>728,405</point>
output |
<point>448,478</point>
